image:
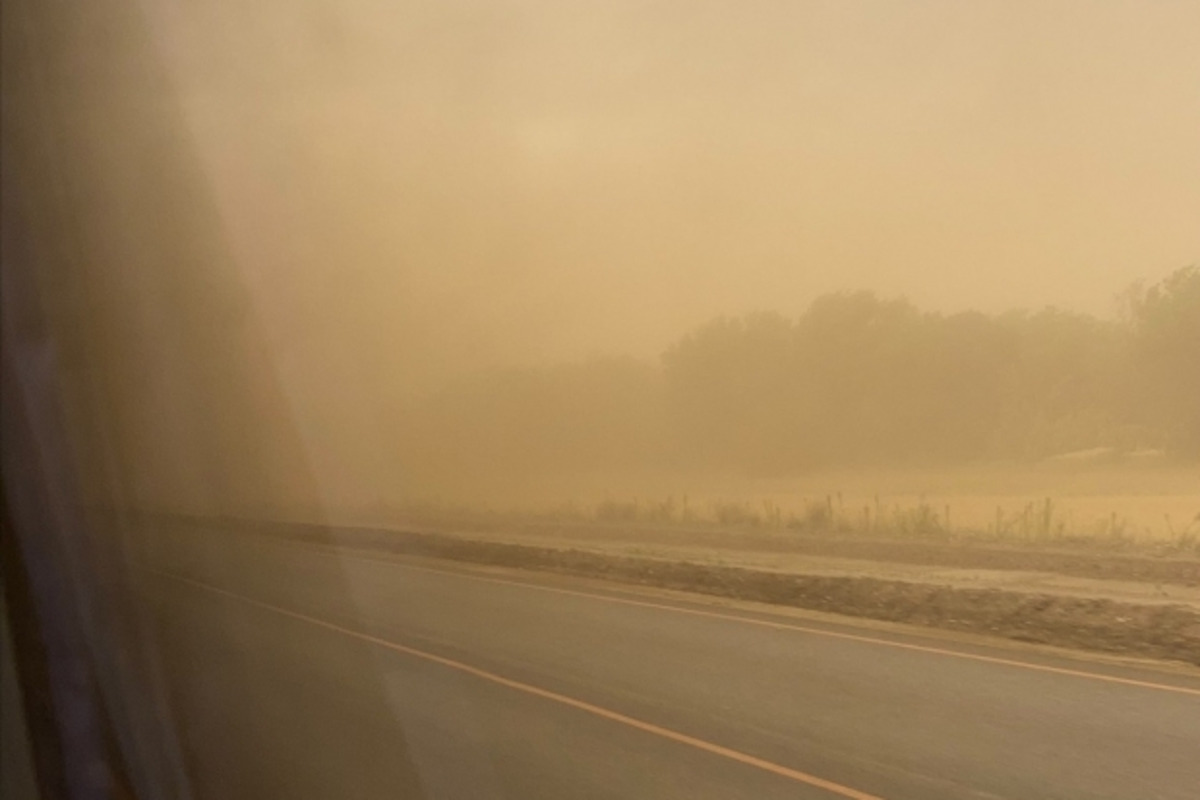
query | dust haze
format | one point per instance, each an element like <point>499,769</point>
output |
<point>470,398</point>
<point>487,248</point>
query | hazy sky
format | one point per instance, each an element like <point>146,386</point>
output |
<point>419,187</point>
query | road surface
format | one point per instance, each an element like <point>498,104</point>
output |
<point>300,672</point>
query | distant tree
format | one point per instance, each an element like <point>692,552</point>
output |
<point>855,379</point>
<point>861,379</point>
<point>1064,383</point>
<point>727,389</point>
<point>1166,320</point>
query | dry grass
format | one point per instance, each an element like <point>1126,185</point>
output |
<point>1122,506</point>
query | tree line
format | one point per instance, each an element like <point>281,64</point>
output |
<point>855,379</point>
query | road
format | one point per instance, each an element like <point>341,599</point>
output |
<point>300,672</point>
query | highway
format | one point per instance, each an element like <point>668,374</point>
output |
<point>302,672</point>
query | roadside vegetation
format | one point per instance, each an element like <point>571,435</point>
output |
<point>1043,523</point>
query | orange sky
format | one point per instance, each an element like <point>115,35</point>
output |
<point>419,188</point>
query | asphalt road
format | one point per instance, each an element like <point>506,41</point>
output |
<point>295,673</point>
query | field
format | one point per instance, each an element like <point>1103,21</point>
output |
<point>1129,505</point>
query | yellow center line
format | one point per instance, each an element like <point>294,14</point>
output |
<point>920,648</point>
<point>590,708</point>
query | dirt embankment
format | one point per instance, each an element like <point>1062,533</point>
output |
<point>1083,559</point>
<point>1159,630</point>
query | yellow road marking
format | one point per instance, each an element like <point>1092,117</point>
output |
<point>599,711</point>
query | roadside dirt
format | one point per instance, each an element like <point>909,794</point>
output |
<point>1012,580</point>
<point>1080,560</point>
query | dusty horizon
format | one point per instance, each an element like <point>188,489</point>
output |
<point>374,201</point>
<point>462,185</point>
